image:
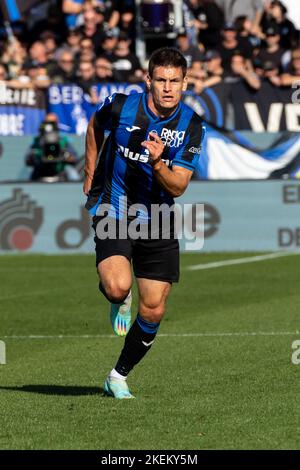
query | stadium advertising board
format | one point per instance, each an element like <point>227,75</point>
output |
<point>246,216</point>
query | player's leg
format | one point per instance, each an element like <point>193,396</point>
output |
<point>156,266</point>
<point>113,262</point>
<point>115,283</point>
<point>153,295</point>
<point>115,278</point>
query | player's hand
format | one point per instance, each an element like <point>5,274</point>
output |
<point>155,146</point>
<point>87,185</point>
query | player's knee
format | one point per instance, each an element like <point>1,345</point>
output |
<point>152,312</point>
<point>116,291</point>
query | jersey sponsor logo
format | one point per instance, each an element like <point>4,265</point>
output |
<point>196,150</point>
<point>132,128</point>
<point>169,137</point>
<point>138,157</point>
<point>172,138</point>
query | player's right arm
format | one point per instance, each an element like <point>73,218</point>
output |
<point>99,122</point>
<point>93,143</point>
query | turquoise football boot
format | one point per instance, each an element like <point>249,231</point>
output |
<point>120,316</point>
<point>117,388</point>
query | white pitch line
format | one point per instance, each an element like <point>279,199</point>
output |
<point>231,262</point>
<point>163,335</point>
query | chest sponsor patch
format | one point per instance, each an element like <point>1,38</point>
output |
<point>138,157</point>
<point>172,138</point>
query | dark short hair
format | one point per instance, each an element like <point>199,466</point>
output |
<point>167,56</point>
<point>279,4</point>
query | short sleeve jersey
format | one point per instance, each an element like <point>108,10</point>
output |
<point>123,168</point>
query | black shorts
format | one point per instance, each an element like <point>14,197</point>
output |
<point>156,259</point>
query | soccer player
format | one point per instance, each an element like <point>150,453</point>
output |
<point>147,160</point>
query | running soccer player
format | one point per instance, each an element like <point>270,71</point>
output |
<point>147,160</point>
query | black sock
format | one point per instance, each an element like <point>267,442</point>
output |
<point>137,343</point>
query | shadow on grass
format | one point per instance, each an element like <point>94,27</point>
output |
<point>66,390</point>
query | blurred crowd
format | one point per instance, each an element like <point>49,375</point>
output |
<point>240,40</point>
<point>93,41</point>
<point>81,41</point>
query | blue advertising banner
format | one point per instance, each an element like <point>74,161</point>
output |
<point>74,107</point>
<point>21,111</point>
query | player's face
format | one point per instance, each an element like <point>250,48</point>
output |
<point>166,86</point>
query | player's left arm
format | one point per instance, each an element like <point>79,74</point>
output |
<point>174,181</point>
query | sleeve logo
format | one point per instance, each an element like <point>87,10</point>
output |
<point>196,150</point>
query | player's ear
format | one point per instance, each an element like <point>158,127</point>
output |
<point>148,81</point>
<point>185,83</point>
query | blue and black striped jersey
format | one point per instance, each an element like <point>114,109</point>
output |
<point>123,168</point>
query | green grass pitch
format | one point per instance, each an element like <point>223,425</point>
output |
<point>207,391</point>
